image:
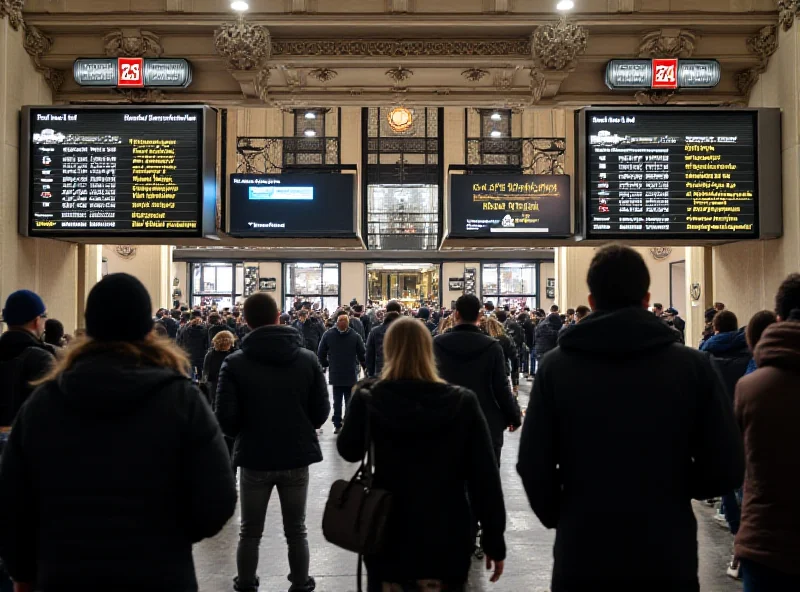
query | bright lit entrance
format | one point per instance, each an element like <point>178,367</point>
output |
<point>413,284</point>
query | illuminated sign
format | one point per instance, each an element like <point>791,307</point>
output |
<point>660,74</point>
<point>133,72</point>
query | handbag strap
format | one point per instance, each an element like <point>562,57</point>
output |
<point>358,572</point>
<point>368,461</point>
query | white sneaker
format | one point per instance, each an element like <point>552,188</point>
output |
<point>733,569</point>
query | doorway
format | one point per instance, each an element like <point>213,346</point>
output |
<point>677,286</point>
<point>412,284</point>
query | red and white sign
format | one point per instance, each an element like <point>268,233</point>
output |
<point>130,72</point>
<point>665,73</point>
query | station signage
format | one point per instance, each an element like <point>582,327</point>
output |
<point>133,72</point>
<point>662,74</point>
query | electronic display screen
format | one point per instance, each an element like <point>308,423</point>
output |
<point>659,174</point>
<point>132,171</point>
<point>510,206</point>
<point>292,205</point>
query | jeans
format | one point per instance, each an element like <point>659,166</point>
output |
<point>340,393</point>
<point>759,578</point>
<point>255,491</point>
<point>732,510</point>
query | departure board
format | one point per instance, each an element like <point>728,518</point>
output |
<point>132,171</point>
<point>688,174</point>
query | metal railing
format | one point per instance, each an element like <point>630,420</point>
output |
<point>264,155</point>
<point>539,156</point>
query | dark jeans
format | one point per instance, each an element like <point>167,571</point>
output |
<point>732,510</point>
<point>340,393</point>
<point>759,578</point>
<point>255,491</point>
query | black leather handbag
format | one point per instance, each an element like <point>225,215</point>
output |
<point>356,513</point>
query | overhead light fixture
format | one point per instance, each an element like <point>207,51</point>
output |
<point>496,116</point>
<point>496,133</point>
<point>565,5</point>
<point>310,133</point>
<point>239,5</point>
<point>311,115</point>
<point>400,119</point>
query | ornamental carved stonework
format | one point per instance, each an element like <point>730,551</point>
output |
<point>37,44</point>
<point>654,97</point>
<point>538,84</point>
<point>245,46</point>
<point>262,85</point>
<point>323,74</point>
<point>13,10</point>
<point>746,79</point>
<point>764,43</point>
<point>667,44</point>
<point>787,11</point>
<point>132,44</point>
<point>557,47</point>
<point>141,95</point>
<point>475,74</point>
<point>400,48</point>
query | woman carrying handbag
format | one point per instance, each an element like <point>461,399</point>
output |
<point>432,453</point>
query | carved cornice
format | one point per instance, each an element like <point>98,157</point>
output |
<point>399,74</point>
<point>323,74</point>
<point>654,97</point>
<point>245,46</point>
<point>746,79</point>
<point>132,44</point>
<point>787,11</point>
<point>400,48</point>
<point>37,44</point>
<point>557,47</point>
<point>475,74</point>
<point>13,10</point>
<point>764,43</point>
<point>667,44</point>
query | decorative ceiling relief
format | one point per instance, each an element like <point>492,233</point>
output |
<point>763,44</point>
<point>787,11</point>
<point>557,47</point>
<point>141,95</point>
<point>262,85</point>
<point>400,48</point>
<point>134,43</point>
<point>245,46</point>
<point>666,43</point>
<point>13,10</point>
<point>37,44</point>
<point>538,84</point>
<point>323,74</point>
<point>661,253</point>
<point>654,97</point>
<point>126,252</point>
<point>475,74</point>
<point>399,75</point>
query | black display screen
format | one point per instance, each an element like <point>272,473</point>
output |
<point>122,171</point>
<point>671,174</point>
<point>509,206</point>
<point>292,205</point>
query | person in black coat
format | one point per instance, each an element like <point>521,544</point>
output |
<point>356,325</point>
<point>171,325</point>
<point>546,337</point>
<point>221,347</point>
<point>729,351</point>
<point>115,465</point>
<point>310,329</point>
<point>434,454</point>
<point>194,340</point>
<point>375,345</point>
<point>341,351</point>
<point>468,358</point>
<point>613,447</point>
<point>215,326</point>
<point>272,398</point>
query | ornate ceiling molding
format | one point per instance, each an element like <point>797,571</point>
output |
<point>141,95</point>
<point>665,43</point>
<point>262,85</point>
<point>132,43</point>
<point>400,48</point>
<point>746,79</point>
<point>557,47</point>
<point>13,10</point>
<point>538,85</point>
<point>399,74</point>
<point>245,46</point>
<point>323,74</point>
<point>37,44</point>
<point>787,11</point>
<point>475,74</point>
<point>654,97</point>
<point>764,43</point>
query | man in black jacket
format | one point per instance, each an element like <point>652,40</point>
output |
<point>342,351</point>
<point>604,446</point>
<point>375,339</point>
<point>23,356</point>
<point>547,333</point>
<point>467,357</point>
<point>272,398</point>
<point>171,325</point>
<point>310,329</point>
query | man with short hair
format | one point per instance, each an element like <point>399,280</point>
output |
<point>547,333</point>
<point>603,446</point>
<point>376,337</point>
<point>272,392</point>
<point>658,309</point>
<point>581,313</point>
<point>355,323</point>
<point>341,351</point>
<point>469,358</point>
<point>215,325</point>
<point>170,325</point>
<point>424,315</point>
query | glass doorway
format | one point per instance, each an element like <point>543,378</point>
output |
<point>413,284</point>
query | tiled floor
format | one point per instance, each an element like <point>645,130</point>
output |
<point>529,544</point>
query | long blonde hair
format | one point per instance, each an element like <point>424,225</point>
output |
<point>223,341</point>
<point>151,351</point>
<point>408,352</point>
<point>492,327</point>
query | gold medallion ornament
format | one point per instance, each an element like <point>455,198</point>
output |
<point>400,119</point>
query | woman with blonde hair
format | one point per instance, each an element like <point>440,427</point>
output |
<point>433,452</point>
<point>493,328</point>
<point>115,465</point>
<point>221,347</point>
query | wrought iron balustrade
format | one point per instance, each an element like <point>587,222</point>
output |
<point>539,156</point>
<point>263,155</point>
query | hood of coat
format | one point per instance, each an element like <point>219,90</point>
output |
<point>464,342</point>
<point>108,384</point>
<point>554,319</point>
<point>780,346</point>
<point>623,332</point>
<point>274,344</point>
<point>413,406</point>
<point>13,343</point>
<point>730,344</point>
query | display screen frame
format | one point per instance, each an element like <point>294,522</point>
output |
<point>767,220</point>
<point>293,234</point>
<point>460,233</point>
<point>206,174</point>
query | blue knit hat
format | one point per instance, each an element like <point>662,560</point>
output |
<point>22,307</point>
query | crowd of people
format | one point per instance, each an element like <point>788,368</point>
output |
<point>119,446</point>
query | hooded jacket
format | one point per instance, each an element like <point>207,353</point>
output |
<point>613,446</point>
<point>433,453</point>
<point>768,411</point>
<point>730,356</point>
<point>271,397</point>
<point>375,350</point>
<point>341,352</point>
<point>466,357</point>
<point>110,475</point>
<point>311,331</point>
<point>194,340</point>
<point>547,335</point>
<point>23,359</point>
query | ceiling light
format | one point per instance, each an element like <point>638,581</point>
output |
<point>311,115</point>
<point>239,5</point>
<point>310,133</point>
<point>496,133</point>
<point>496,116</point>
<point>565,5</point>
